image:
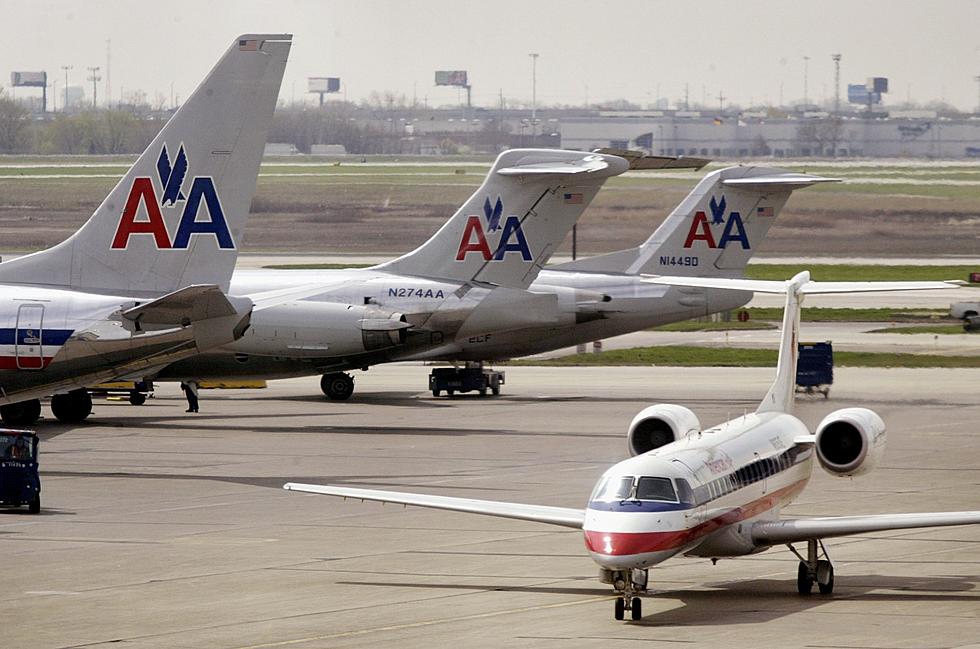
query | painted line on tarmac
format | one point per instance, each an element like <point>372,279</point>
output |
<point>424,623</point>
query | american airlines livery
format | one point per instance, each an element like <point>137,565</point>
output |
<point>145,280</point>
<point>718,491</point>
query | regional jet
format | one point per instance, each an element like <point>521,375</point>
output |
<point>145,280</point>
<point>715,492</point>
<point>467,294</point>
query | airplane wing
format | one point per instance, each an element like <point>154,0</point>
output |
<point>810,288</point>
<point>189,304</point>
<point>788,531</point>
<point>562,516</point>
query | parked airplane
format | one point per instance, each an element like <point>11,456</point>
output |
<point>439,302</point>
<point>714,492</point>
<point>471,277</point>
<point>144,281</point>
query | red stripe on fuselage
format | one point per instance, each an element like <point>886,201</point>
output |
<point>25,362</point>
<point>627,543</point>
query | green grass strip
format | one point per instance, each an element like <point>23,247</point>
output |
<point>691,356</point>
<point>862,273</point>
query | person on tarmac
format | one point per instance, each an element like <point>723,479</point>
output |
<point>190,391</point>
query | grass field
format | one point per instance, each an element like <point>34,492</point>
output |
<point>692,356</point>
<point>387,205</point>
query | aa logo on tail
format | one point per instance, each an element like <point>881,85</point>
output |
<point>510,239</point>
<point>171,176</point>
<point>734,229</point>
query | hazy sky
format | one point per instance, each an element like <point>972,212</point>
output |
<point>746,49</point>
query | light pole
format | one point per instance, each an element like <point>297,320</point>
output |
<point>66,68</point>
<point>836,58</point>
<point>806,70</point>
<point>534,92</point>
<point>94,78</point>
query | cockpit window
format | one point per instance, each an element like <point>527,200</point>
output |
<point>655,489</point>
<point>612,489</point>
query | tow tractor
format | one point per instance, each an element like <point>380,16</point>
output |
<point>473,376</point>
<point>20,483</point>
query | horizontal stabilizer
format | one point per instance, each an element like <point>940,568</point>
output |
<point>584,165</point>
<point>640,161</point>
<point>562,516</point>
<point>777,183</point>
<point>790,531</point>
<point>180,308</point>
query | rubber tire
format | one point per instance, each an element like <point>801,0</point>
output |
<point>804,583</point>
<point>436,393</point>
<point>338,386</point>
<point>73,407</point>
<point>828,588</point>
<point>22,413</point>
<point>495,390</point>
<point>620,610</point>
<point>636,609</point>
<point>34,506</point>
<point>137,398</point>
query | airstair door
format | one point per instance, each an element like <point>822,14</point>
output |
<point>28,343</point>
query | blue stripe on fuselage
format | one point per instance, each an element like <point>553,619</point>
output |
<point>48,336</point>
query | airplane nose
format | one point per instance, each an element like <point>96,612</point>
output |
<point>623,550</point>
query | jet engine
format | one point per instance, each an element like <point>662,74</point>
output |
<point>659,425</point>
<point>850,442</point>
<point>308,328</point>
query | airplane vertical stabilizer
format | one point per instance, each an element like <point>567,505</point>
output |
<point>178,216</point>
<point>510,227</point>
<point>781,394</point>
<point>715,229</point>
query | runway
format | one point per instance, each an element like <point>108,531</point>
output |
<point>165,529</point>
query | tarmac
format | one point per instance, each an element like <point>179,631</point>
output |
<point>165,529</point>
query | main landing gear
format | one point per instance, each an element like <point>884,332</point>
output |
<point>629,584</point>
<point>22,413</point>
<point>813,569</point>
<point>72,407</point>
<point>337,386</point>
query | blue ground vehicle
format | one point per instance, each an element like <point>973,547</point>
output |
<point>20,483</point>
<point>815,369</point>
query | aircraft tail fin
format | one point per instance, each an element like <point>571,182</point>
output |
<point>178,215</point>
<point>781,393</point>
<point>715,229</point>
<point>511,225</point>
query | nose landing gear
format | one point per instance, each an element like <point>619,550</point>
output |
<point>629,584</point>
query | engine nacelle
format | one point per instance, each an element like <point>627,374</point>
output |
<point>313,329</point>
<point>850,441</point>
<point>659,425</point>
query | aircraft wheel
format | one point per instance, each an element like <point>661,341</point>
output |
<point>22,413</point>
<point>436,393</point>
<point>636,609</point>
<point>825,577</point>
<point>137,398</point>
<point>620,608</point>
<point>337,386</point>
<point>73,407</point>
<point>804,582</point>
<point>34,506</point>
<point>495,390</point>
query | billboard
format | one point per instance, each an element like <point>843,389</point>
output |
<point>324,84</point>
<point>877,84</point>
<point>34,79</point>
<point>451,78</point>
<point>857,93</point>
